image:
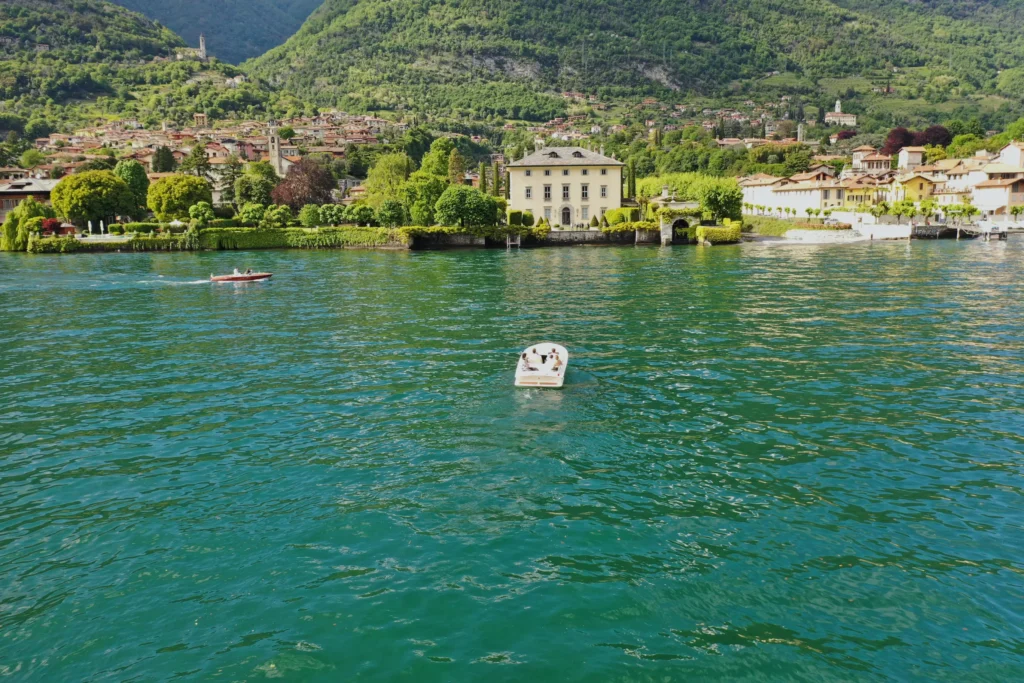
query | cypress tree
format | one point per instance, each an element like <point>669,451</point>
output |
<point>483,177</point>
<point>496,190</point>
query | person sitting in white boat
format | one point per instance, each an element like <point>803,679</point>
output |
<point>236,272</point>
<point>526,363</point>
<point>556,361</point>
<point>533,360</point>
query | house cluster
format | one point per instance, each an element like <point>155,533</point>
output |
<point>330,134</point>
<point>993,183</point>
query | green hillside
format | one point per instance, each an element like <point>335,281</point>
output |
<point>447,55</point>
<point>235,29</point>
<point>67,62</point>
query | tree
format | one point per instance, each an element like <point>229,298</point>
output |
<point>495,180</point>
<point>31,158</point>
<point>391,213</point>
<point>964,146</point>
<point>482,173</point>
<point>134,175</point>
<point>15,231</point>
<point>928,208</point>
<point>456,168</point>
<point>170,198</point>
<point>163,160</point>
<point>229,176</point>
<point>897,139</point>
<point>276,217</point>
<point>256,184</point>
<point>435,162</point>
<point>360,214</point>
<point>251,213</point>
<point>332,214</point>
<point>466,207</point>
<point>197,163</point>
<point>311,216</point>
<point>307,182</point>
<point>937,136</point>
<point>721,197</point>
<point>286,133</point>
<point>420,194</point>
<point>386,178</point>
<point>201,214</point>
<point>1017,210</point>
<point>92,196</point>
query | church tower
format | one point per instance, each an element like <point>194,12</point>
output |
<point>274,149</point>
<point>202,47</point>
<point>839,107</point>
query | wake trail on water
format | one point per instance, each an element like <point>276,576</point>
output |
<point>174,283</point>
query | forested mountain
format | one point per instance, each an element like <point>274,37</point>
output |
<point>450,54</point>
<point>235,29</point>
<point>70,61</point>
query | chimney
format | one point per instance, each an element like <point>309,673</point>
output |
<point>602,150</point>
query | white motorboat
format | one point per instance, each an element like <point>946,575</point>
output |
<point>542,365</point>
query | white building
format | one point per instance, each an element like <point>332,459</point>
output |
<point>565,185</point>
<point>838,118</point>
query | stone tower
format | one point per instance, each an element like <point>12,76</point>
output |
<point>839,107</point>
<point>274,149</point>
<point>202,47</point>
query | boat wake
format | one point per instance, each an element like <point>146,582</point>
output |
<point>174,283</point>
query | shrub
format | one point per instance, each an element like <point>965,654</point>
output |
<point>515,218</point>
<point>225,223</point>
<point>594,222</point>
<point>115,229</point>
<point>631,226</point>
<point>391,213</point>
<point>527,219</point>
<point>332,214</point>
<point>252,213</point>
<point>276,217</point>
<point>716,235</point>
<point>201,214</point>
<point>360,214</point>
<point>627,214</point>
<point>141,228</point>
<point>310,216</point>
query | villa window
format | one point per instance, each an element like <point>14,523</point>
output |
<point>585,172</point>
<point>565,171</point>
<point>547,171</point>
<point>547,213</point>
<point>586,191</point>
<point>604,171</point>
<point>565,191</point>
<point>826,194</point>
<point>547,193</point>
<point>603,209</point>
<point>529,193</point>
<point>604,192</point>
<point>586,213</point>
<point>529,173</point>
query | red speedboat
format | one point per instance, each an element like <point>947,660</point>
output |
<point>241,277</point>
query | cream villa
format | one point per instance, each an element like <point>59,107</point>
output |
<point>567,186</point>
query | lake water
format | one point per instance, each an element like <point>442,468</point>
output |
<point>767,462</point>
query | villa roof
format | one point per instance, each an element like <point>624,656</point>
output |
<point>877,157</point>
<point>864,148</point>
<point>998,182</point>
<point>758,180</point>
<point>566,156</point>
<point>28,185</point>
<point>1002,168</point>
<point>913,149</point>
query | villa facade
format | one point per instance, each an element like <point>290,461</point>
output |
<point>567,186</point>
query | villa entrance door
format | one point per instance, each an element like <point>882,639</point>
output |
<point>566,217</point>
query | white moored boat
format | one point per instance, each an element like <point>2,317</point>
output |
<point>542,365</point>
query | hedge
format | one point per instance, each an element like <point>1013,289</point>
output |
<point>627,214</point>
<point>822,226</point>
<point>142,227</point>
<point>720,235</point>
<point>68,245</point>
<point>300,238</point>
<point>631,226</point>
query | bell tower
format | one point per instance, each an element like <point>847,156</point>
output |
<point>274,148</point>
<point>202,47</point>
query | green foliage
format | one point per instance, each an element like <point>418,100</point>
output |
<point>386,178</point>
<point>626,214</point>
<point>771,227</point>
<point>21,221</point>
<point>134,175</point>
<point>251,213</point>
<point>466,207</point>
<point>391,213</point>
<point>256,185</point>
<point>630,226</point>
<point>515,218</point>
<point>92,196</point>
<point>140,228</point>
<point>201,214</point>
<point>421,193</point>
<point>311,216</point>
<point>332,214</point>
<point>275,217</point>
<point>163,160</point>
<point>171,198</point>
<point>196,163</point>
<point>722,235</point>
<point>435,162</point>
<point>527,219</point>
<point>301,238</point>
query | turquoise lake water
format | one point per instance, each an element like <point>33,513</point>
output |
<point>768,462</point>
